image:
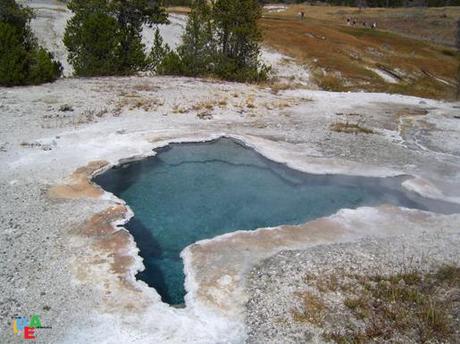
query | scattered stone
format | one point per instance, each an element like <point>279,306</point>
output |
<point>204,115</point>
<point>66,108</point>
<point>3,146</point>
<point>47,147</point>
<point>30,144</point>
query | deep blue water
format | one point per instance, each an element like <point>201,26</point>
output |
<point>195,191</point>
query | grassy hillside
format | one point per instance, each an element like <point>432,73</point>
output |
<point>348,58</point>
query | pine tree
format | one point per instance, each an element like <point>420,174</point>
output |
<point>238,37</point>
<point>93,44</point>
<point>159,52</point>
<point>22,60</point>
<point>221,39</point>
<point>131,15</point>
<point>237,31</point>
<point>198,48</point>
<point>104,37</point>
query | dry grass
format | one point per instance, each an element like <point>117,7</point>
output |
<point>203,108</point>
<point>423,307</point>
<point>178,9</point>
<point>145,87</point>
<point>283,103</point>
<point>350,128</point>
<point>341,57</point>
<point>411,111</point>
<point>222,102</point>
<point>61,120</point>
<point>277,86</point>
<point>408,302</point>
<point>209,104</point>
<point>326,283</point>
<point>180,109</point>
<point>250,102</point>
<point>313,309</point>
<point>433,24</point>
<point>134,100</point>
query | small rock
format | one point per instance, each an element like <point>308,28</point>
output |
<point>65,108</point>
<point>204,115</point>
<point>47,148</point>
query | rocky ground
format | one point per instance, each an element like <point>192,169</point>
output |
<point>277,284</point>
<point>65,255</point>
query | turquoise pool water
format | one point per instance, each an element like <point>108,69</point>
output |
<point>195,191</point>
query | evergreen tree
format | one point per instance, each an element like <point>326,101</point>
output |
<point>160,50</point>
<point>94,44</point>
<point>13,68</point>
<point>16,16</point>
<point>131,15</point>
<point>22,60</point>
<point>221,39</point>
<point>105,36</point>
<point>198,48</point>
<point>238,37</point>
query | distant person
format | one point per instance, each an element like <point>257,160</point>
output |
<point>353,22</point>
<point>374,26</point>
<point>364,24</point>
<point>302,15</point>
<point>348,21</point>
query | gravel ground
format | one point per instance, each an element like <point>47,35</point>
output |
<point>273,283</point>
<point>35,272</point>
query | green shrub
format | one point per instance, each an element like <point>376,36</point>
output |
<point>42,68</point>
<point>172,65</point>
<point>220,40</point>
<point>104,37</point>
<point>159,51</point>
<point>22,60</point>
<point>13,14</point>
<point>13,57</point>
<point>232,70</point>
<point>186,3</point>
<point>198,48</point>
<point>93,45</point>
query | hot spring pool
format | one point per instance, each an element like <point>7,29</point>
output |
<point>194,191</point>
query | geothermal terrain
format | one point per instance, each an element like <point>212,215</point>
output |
<point>64,252</point>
